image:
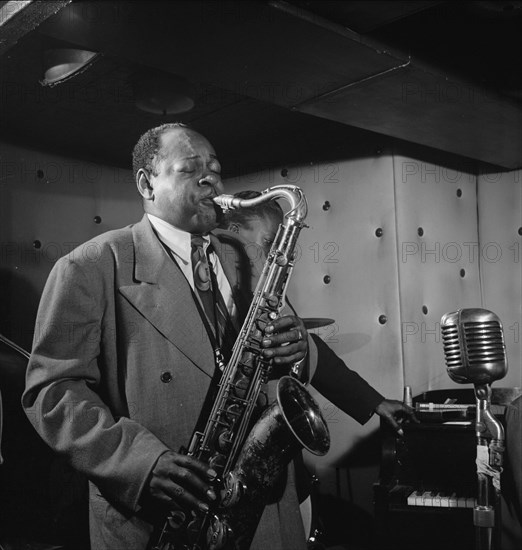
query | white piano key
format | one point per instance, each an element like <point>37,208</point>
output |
<point>419,498</point>
<point>444,500</point>
<point>461,502</point>
<point>453,500</point>
<point>440,499</point>
<point>427,499</point>
<point>470,502</point>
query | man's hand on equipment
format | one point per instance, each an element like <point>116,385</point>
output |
<point>395,412</point>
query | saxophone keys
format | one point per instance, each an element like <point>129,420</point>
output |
<point>272,301</point>
<point>240,388</point>
<point>176,519</point>
<point>232,491</point>
<point>218,534</point>
<point>218,462</point>
<point>225,441</point>
<point>281,259</point>
<point>233,412</point>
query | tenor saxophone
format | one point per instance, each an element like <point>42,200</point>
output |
<point>249,459</point>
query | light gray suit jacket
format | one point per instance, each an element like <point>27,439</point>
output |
<point>121,364</point>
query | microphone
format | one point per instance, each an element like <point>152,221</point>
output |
<point>474,347</point>
<point>475,353</point>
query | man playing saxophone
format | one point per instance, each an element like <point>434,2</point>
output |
<point>128,349</point>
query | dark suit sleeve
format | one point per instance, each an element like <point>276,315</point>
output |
<point>343,387</point>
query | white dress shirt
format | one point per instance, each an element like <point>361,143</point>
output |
<point>178,242</point>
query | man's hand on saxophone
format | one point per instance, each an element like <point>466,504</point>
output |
<point>181,481</point>
<point>286,342</point>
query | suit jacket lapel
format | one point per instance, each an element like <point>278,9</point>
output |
<point>163,296</point>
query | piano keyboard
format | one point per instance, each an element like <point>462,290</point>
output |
<point>440,499</point>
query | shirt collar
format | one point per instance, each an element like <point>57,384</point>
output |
<point>176,239</point>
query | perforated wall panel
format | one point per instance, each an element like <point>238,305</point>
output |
<point>438,272</point>
<point>500,232</point>
<point>49,205</point>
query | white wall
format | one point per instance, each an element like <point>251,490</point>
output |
<point>53,200</point>
<point>450,239</point>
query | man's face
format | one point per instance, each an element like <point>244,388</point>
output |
<point>261,231</point>
<point>188,178</point>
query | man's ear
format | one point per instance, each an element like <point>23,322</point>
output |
<point>234,227</point>
<point>144,185</point>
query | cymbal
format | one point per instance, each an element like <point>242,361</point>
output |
<point>316,322</point>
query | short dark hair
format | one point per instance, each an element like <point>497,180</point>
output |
<point>145,153</point>
<point>241,216</point>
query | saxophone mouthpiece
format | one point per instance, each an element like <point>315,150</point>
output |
<point>226,202</point>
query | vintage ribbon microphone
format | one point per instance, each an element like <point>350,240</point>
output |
<point>475,353</point>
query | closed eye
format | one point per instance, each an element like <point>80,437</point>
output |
<point>215,167</point>
<point>185,167</point>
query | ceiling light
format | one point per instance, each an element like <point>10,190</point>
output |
<point>61,64</point>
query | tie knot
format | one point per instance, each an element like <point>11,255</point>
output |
<point>197,241</point>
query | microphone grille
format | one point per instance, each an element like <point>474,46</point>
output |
<point>484,342</point>
<point>452,348</point>
<point>474,347</point>
<point>450,342</point>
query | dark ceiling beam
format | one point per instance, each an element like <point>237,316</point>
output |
<point>404,59</point>
<point>362,16</point>
<point>17,18</point>
<point>418,101</point>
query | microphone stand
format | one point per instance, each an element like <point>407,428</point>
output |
<point>490,448</point>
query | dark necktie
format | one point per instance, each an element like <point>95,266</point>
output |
<point>211,298</point>
<point>202,278</point>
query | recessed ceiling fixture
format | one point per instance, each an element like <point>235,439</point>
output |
<point>163,93</point>
<point>61,64</point>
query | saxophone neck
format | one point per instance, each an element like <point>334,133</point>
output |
<point>291,193</point>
